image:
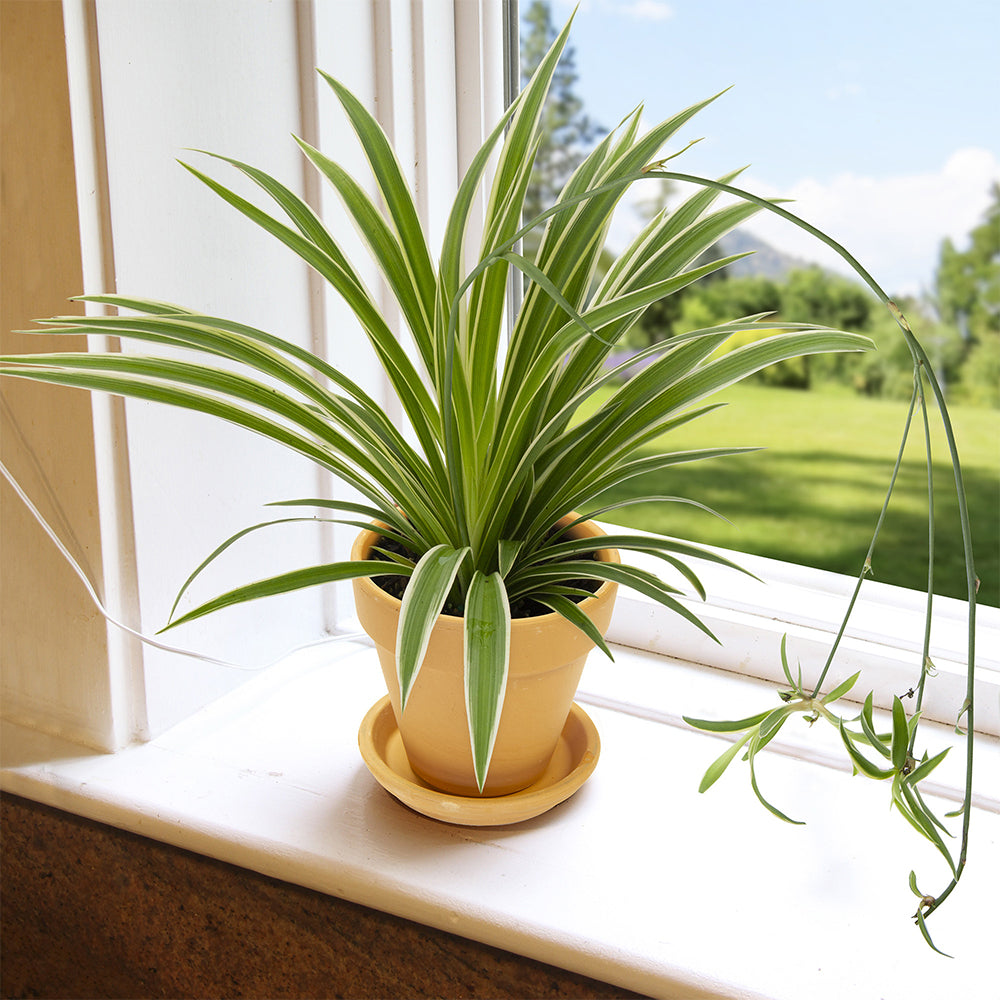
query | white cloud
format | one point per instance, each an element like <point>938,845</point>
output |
<point>647,10</point>
<point>844,91</point>
<point>636,10</point>
<point>893,225</point>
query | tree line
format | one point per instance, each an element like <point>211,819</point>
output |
<point>958,322</point>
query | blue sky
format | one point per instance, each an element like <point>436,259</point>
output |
<point>881,119</point>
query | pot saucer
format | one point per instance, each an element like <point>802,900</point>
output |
<point>572,763</point>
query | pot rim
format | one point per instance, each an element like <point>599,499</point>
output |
<point>361,546</point>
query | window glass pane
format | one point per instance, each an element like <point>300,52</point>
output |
<point>880,122</point>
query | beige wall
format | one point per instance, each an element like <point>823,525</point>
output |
<point>46,435</point>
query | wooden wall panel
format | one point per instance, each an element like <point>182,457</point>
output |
<point>46,433</point>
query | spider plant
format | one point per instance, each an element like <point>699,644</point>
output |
<point>499,450</point>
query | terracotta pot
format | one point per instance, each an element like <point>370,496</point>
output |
<point>547,655</point>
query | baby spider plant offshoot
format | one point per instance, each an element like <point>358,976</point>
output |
<point>881,756</point>
<point>890,756</point>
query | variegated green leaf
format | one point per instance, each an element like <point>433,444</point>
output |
<point>756,743</point>
<point>900,734</point>
<point>841,689</point>
<point>920,818</point>
<point>507,553</point>
<point>862,763</point>
<point>868,726</point>
<point>296,580</point>
<point>487,657</point>
<point>423,600</point>
<point>925,767</point>
<point>719,765</point>
<point>575,615</point>
<point>205,563</point>
<point>922,924</point>
<point>734,726</point>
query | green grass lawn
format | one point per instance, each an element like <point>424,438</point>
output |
<point>814,495</point>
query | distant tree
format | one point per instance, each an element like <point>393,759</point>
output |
<point>980,384</point>
<point>568,132</point>
<point>888,371</point>
<point>967,296</point>
<point>812,295</point>
<point>960,329</point>
<point>967,282</point>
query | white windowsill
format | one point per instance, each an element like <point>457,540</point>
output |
<point>637,880</point>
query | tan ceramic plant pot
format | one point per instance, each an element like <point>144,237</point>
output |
<point>547,655</point>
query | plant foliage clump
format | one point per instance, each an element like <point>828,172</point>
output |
<point>498,457</point>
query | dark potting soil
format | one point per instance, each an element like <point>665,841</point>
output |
<point>523,608</point>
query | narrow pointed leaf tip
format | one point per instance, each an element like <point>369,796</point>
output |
<point>718,766</point>
<point>922,924</point>
<point>900,734</point>
<point>487,659</point>
<point>841,689</point>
